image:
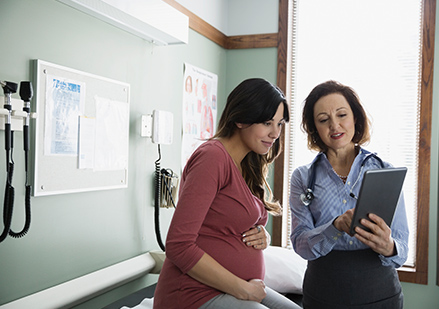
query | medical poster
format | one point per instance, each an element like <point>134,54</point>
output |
<point>199,109</point>
<point>65,101</point>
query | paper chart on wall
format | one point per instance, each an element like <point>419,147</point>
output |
<point>199,109</point>
<point>65,100</point>
<point>111,135</point>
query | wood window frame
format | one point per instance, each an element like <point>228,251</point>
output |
<point>419,273</point>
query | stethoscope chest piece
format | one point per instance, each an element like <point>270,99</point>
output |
<point>307,197</point>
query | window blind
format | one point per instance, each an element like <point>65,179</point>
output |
<point>373,46</point>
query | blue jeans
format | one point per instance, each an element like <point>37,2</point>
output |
<point>273,300</point>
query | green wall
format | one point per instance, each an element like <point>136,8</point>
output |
<point>74,234</point>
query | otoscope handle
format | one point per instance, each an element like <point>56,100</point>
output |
<point>8,136</point>
<point>26,93</point>
<point>25,138</point>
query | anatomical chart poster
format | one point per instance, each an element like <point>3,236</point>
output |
<point>199,109</point>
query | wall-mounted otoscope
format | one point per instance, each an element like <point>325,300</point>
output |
<point>26,93</point>
<point>8,203</point>
<point>8,89</point>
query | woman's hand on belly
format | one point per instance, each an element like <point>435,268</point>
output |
<point>257,237</point>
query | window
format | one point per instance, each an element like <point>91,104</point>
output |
<point>389,65</point>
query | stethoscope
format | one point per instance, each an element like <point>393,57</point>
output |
<point>308,195</point>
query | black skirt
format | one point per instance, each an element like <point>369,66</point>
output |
<point>351,279</point>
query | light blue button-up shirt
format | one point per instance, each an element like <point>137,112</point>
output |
<point>313,234</point>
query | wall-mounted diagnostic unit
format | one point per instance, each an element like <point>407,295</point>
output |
<point>159,127</point>
<point>16,120</point>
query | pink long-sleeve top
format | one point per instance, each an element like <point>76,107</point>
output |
<point>215,208</point>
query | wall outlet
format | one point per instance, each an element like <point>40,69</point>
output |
<point>146,126</point>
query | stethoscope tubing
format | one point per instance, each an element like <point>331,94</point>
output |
<point>308,195</point>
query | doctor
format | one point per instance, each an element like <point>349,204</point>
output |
<point>343,271</point>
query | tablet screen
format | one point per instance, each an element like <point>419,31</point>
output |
<point>379,194</point>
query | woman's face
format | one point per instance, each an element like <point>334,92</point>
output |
<point>334,120</point>
<point>260,137</point>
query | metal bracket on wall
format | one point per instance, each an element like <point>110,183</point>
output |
<point>17,117</point>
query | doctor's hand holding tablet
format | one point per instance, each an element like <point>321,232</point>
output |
<point>369,221</point>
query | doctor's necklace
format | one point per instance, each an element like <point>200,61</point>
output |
<point>343,178</point>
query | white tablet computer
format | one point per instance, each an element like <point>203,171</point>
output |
<point>379,194</point>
